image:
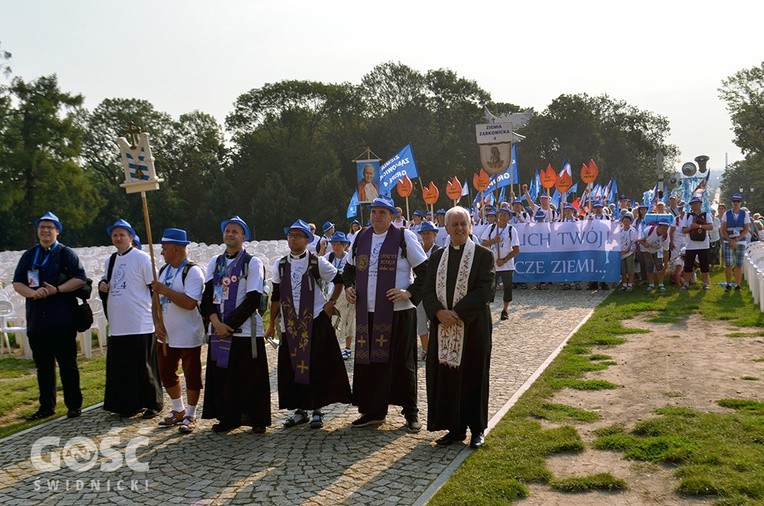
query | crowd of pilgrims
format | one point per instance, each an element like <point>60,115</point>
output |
<point>385,290</point>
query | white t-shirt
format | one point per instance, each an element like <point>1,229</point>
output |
<point>690,244</point>
<point>326,271</point>
<point>654,242</point>
<point>415,255</point>
<point>252,283</point>
<point>628,238</point>
<point>442,238</point>
<point>129,299</point>
<point>338,263</point>
<point>740,219</point>
<point>504,246</point>
<point>184,326</point>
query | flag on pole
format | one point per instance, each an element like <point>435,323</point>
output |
<point>534,187</point>
<point>514,174</point>
<point>353,205</point>
<point>465,189</point>
<point>402,164</point>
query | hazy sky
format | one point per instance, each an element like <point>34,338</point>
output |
<point>668,57</point>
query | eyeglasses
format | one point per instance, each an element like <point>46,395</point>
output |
<point>296,236</point>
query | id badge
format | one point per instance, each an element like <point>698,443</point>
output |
<point>225,292</point>
<point>33,278</point>
<point>217,295</point>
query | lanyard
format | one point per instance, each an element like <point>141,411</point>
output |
<point>45,261</point>
<point>169,280</point>
<point>222,268</point>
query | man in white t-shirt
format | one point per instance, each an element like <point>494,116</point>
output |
<point>383,278</point>
<point>696,226</point>
<point>735,226</point>
<point>132,377</point>
<point>653,239</point>
<point>180,287</point>
<point>502,239</point>
<point>237,388</point>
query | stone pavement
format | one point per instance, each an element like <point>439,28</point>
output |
<point>102,459</point>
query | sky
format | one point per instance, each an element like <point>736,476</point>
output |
<point>666,57</point>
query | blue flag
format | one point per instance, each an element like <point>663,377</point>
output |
<point>393,170</point>
<point>514,175</point>
<point>353,205</point>
<point>534,187</point>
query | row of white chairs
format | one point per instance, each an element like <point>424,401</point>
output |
<point>753,270</point>
<point>12,310</point>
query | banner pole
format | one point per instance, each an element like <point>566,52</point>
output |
<point>154,295</point>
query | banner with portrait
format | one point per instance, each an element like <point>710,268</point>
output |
<point>367,172</point>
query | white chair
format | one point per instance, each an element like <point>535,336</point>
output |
<point>99,321</point>
<point>8,313</point>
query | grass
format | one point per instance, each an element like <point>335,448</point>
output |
<point>19,386</point>
<point>717,455</point>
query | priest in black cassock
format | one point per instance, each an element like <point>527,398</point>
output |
<point>456,296</point>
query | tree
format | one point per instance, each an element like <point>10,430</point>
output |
<point>39,169</point>
<point>744,94</point>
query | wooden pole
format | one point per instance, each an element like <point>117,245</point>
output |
<point>155,295</point>
<point>408,218</point>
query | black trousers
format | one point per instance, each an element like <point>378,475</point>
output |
<point>49,347</point>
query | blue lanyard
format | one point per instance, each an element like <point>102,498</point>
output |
<point>222,268</point>
<point>37,253</point>
<point>167,279</point>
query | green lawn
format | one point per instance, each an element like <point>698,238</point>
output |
<point>718,456</point>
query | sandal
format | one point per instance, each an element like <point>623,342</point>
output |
<point>173,418</point>
<point>297,418</point>
<point>187,425</point>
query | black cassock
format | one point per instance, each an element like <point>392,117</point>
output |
<point>457,397</point>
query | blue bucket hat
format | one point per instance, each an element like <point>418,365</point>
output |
<point>440,211</point>
<point>327,226</point>
<point>737,196</point>
<point>339,237</point>
<point>137,242</point>
<point>504,209</point>
<point>427,226</point>
<point>544,196</point>
<point>664,221</point>
<point>302,227</point>
<point>598,203</point>
<point>490,212</point>
<point>627,215</point>
<point>120,223</point>
<point>174,236</point>
<point>643,206</point>
<point>418,213</point>
<point>695,199</point>
<point>50,217</point>
<point>356,222</point>
<point>387,203</point>
<point>237,221</point>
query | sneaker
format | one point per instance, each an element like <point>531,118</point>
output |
<point>368,420</point>
<point>661,288</point>
<point>629,288</point>
<point>686,286</point>
<point>706,286</point>
<point>346,354</point>
<point>413,424</point>
<point>727,287</point>
<point>504,315</point>
<point>737,288</point>
<point>623,288</point>
<point>317,420</point>
<point>650,288</point>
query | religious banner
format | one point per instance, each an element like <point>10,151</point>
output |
<point>563,252</point>
<point>402,164</point>
<point>368,180</point>
<point>138,163</point>
<point>495,158</point>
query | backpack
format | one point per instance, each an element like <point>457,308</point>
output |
<point>312,267</point>
<point>493,227</point>
<point>698,234</point>
<point>183,275</point>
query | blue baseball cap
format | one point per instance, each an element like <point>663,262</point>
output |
<point>737,196</point>
<point>237,221</point>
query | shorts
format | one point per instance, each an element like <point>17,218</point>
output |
<point>689,260</point>
<point>506,282</point>
<point>627,265</point>
<point>733,257</point>
<point>192,367</point>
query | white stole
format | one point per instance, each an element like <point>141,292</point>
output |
<point>451,338</point>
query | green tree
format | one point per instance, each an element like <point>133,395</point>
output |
<point>39,163</point>
<point>744,94</point>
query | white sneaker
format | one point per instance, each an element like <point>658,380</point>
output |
<point>346,354</point>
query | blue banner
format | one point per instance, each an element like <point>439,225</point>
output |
<point>352,206</point>
<point>567,252</point>
<point>393,170</point>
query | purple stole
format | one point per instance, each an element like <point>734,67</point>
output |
<point>374,346</point>
<point>298,329</point>
<point>220,346</point>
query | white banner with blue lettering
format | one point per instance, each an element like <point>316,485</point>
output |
<point>557,252</point>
